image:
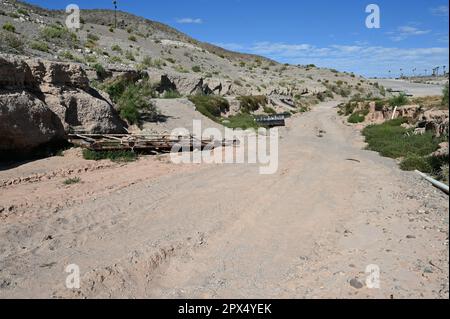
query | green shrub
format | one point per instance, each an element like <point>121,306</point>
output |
<point>358,116</point>
<point>9,27</point>
<point>134,103</point>
<point>196,69</point>
<point>92,37</point>
<point>67,55</point>
<point>115,59</point>
<point>445,96</point>
<point>71,181</point>
<point>130,56</point>
<point>210,105</point>
<point>147,61</point>
<point>269,110</point>
<point>115,156</point>
<point>57,33</point>
<point>171,95</point>
<point>23,12</point>
<point>399,100</point>
<point>100,70</point>
<point>252,103</point>
<point>53,32</point>
<point>132,38</point>
<point>241,121</point>
<point>391,140</point>
<point>116,48</point>
<point>40,46</point>
<point>427,164</point>
<point>116,88</point>
<point>9,42</point>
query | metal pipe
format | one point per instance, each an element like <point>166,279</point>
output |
<point>435,183</point>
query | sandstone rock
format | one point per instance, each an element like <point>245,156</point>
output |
<point>49,73</point>
<point>26,123</point>
<point>436,121</point>
<point>15,73</point>
<point>42,99</point>
<point>442,151</point>
<point>410,112</point>
<point>89,110</point>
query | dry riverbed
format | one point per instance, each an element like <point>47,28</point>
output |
<point>155,229</point>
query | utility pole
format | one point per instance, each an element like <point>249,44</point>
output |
<point>115,14</point>
<point>401,73</point>
<point>444,67</point>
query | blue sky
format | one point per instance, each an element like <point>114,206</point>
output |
<point>328,33</point>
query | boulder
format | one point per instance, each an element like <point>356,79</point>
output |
<point>41,100</point>
<point>87,110</point>
<point>436,121</point>
<point>410,112</point>
<point>49,73</point>
<point>442,151</point>
<point>15,74</point>
<point>26,123</point>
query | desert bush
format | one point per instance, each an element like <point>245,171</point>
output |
<point>92,37</point>
<point>269,110</point>
<point>399,100</point>
<point>53,32</point>
<point>57,33</point>
<point>116,48</point>
<point>9,27</point>
<point>23,12</point>
<point>67,55</point>
<point>132,38</point>
<point>196,69</point>
<point>358,116</point>
<point>40,46</point>
<point>391,140</point>
<point>115,59</point>
<point>171,95</point>
<point>9,42</point>
<point>241,121</point>
<point>210,105</point>
<point>445,96</point>
<point>130,56</point>
<point>115,156</point>
<point>134,103</point>
<point>252,103</point>
<point>71,181</point>
<point>100,70</point>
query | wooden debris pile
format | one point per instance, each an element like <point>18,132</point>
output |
<point>156,143</point>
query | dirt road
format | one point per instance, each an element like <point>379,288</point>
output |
<point>154,229</point>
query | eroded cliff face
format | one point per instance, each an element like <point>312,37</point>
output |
<point>41,101</point>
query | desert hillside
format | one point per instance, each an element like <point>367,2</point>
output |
<point>157,62</point>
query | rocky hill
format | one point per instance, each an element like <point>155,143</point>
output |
<point>170,62</point>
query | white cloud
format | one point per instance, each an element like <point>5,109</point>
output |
<point>405,32</point>
<point>366,60</point>
<point>441,11</point>
<point>190,21</point>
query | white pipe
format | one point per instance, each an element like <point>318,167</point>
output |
<point>393,114</point>
<point>435,183</point>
